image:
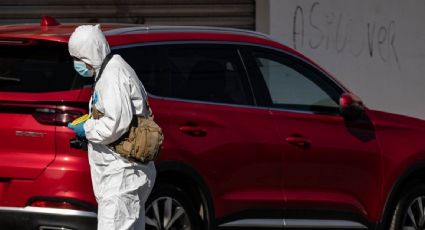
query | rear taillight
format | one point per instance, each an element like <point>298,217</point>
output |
<point>57,116</point>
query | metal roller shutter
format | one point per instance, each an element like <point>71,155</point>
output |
<point>224,13</point>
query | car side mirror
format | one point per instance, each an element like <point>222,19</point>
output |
<point>351,106</point>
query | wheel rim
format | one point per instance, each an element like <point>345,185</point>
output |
<point>166,213</point>
<point>414,218</point>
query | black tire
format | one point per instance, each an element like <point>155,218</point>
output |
<point>408,211</point>
<point>182,207</point>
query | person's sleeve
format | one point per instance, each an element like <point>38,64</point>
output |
<point>116,100</point>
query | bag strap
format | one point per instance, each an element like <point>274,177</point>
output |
<point>148,106</point>
<point>145,98</point>
<point>102,67</point>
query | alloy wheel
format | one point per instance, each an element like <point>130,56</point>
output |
<point>166,213</point>
<point>414,218</point>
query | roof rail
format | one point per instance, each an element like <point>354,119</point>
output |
<point>139,29</point>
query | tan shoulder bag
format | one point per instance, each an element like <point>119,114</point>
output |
<point>142,142</point>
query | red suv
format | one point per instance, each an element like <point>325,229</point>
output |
<point>256,135</point>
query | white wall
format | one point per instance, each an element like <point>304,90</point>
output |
<point>375,47</point>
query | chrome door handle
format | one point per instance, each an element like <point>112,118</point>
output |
<point>298,141</point>
<point>193,131</point>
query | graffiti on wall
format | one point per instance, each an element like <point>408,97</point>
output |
<point>315,27</point>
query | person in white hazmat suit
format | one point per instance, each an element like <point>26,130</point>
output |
<point>121,186</point>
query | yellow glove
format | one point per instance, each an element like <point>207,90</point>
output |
<point>81,119</point>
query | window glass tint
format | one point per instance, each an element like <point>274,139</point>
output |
<point>211,73</point>
<point>293,86</point>
<point>144,60</point>
<point>39,67</point>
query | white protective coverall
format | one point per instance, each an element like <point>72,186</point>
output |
<point>121,187</point>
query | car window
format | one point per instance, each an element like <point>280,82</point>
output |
<point>148,67</point>
<point>37,67</point>
<point>294,85</point>
<point>211,73</point>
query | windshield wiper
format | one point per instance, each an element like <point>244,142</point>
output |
<point>10,79</point>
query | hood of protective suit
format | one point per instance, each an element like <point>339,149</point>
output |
<point>89,44</point>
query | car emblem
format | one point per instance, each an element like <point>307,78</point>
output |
<point>29,134</point>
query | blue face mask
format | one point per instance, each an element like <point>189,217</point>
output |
<point>82,69</point>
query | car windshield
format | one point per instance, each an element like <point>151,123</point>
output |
<point>38,66</point>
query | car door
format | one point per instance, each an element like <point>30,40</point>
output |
<point>331,167</point>
<point>216,128</point>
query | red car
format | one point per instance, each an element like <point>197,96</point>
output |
<point>256,135</point>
